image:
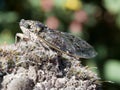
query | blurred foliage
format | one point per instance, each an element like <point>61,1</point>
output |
<point>6,37</point>
<point>73,4</point>
<point>111,70</point>
<point>97,21</point>
<point>113,6</point>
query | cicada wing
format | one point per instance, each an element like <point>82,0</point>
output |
<point>82,48</point>
<point>58,39</point>
<point>70,44</point>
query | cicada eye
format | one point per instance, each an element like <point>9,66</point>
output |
<point>28,26</point>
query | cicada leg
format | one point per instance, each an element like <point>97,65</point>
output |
<point>21,37</point>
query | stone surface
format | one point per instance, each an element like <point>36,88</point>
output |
<point>42,69</point>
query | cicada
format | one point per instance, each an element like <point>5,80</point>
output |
<point>59,41</point>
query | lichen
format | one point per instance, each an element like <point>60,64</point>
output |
<point>31,66</point>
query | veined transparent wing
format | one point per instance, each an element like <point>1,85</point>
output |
<point>69,43</point>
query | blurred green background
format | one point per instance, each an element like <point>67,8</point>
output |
<point>96,21</point>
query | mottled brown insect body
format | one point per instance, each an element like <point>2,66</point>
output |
<point>60,41</point>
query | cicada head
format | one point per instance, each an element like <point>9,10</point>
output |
<point>31,26</point>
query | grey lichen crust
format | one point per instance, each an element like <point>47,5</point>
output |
<point>30,66</point>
